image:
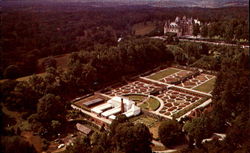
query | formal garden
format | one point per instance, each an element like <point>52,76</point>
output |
<point>175,101</point>
<point>164,99</point>
<point>197,81</point>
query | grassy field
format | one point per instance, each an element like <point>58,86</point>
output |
<point>61,62</point>
<point>207,86</point>
<point>163,74</point>
<point>143,29</point>
<point>29,76</point>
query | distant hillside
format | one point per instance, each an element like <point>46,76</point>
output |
<point>190,3</point>
<point>165,3</point>
<point>156,3</point>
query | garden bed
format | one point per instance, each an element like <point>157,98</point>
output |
<point>187,109</point>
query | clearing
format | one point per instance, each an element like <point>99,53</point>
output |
<point>143,28</point>
<point>61,62</point>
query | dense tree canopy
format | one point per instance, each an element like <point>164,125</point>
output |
<point>130,138</point>
<point>129,57</point>
<point>170,133</point>
<point>198,130</point>
<point>50,107</point>
<point>231,107</point>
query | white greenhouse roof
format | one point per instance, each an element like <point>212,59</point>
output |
<point>111,111</point>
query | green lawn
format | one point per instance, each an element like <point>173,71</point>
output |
<point>144,105</point>
<point>163,74</point>
<point>207,86</point>
<point>151,104</point>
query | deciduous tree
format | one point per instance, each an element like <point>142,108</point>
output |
<point>170,132</point>
<point>50,107</point>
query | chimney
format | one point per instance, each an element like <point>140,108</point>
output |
<point>122,106</point>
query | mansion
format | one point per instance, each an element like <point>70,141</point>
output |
<point>181,26</point>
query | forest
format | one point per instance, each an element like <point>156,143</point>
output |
<point>30,33</point>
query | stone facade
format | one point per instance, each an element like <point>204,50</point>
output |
<point>181,26</point>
